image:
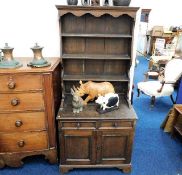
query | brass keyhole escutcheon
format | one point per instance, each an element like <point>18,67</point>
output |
<point>78,125</point>
<point>115,124</point>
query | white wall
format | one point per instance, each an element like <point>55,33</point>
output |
<point>164,12</point>
<point>24,22</point>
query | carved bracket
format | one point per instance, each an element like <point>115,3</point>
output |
<point>15,159</point>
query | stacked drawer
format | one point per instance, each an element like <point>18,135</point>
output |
<point>22,113</point>
<point>29,101</point>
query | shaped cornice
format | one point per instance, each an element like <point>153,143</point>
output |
<point>97,11</point>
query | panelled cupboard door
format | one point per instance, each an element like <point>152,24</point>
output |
<point>78,147</point>
<point>114,146</point>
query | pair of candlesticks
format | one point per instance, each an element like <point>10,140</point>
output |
<point>7,60</point>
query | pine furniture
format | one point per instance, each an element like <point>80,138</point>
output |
<point>29,101</point>
<point>97,44</point>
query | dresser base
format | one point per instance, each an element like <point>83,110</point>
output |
<point>15,159</point>
<point>126,168</point>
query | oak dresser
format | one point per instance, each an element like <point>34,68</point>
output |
<point>97,44</point>
<point>29,101</point>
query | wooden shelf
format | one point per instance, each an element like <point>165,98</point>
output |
<point>90,112</point>
<point>97,46</point>
<point>96,35</point>
<point>96,57</point>
<point>121,78</point>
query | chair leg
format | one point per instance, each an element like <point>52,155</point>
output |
<point>172,99</point>
<point>138,90</point>
<point>152,101</point>
<point>132,97</point>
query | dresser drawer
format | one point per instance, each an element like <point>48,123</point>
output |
<point>115,124</point>
<point>77,125</point>
<point>16,122</point>
<point>23,101</point>
<point>25,141</point>
<point>20,82</point>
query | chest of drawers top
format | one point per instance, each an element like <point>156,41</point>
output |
<point>25,78</point>
<point>25,60</point>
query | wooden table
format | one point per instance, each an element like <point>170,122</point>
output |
<point>177,123</point>
<point>168,39</point>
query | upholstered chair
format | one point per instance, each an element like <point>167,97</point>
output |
<point>164,87</point>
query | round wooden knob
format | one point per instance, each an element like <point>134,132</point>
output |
<point>15,102</point>
<point>18,123</point>
<point>21,143</point>
<point>99,147</point>
<point>11,85</point>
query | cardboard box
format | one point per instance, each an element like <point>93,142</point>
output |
<point>157,31</point>
<point>171,46</point>
<point>167,34</point>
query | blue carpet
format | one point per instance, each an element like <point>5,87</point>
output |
<point>154,152</point>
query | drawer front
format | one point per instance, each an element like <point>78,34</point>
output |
<point>115,124</point>
<point>24,101</point>
<point>20,82</point>
<point>22,122</point>
<point>27,141</point>
<point>77,125</point>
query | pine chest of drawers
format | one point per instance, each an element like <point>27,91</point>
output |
<point>29,101</point>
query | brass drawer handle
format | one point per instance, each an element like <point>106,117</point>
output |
<point>15,102</point>
<point>11,85</point>
<point>18,123</point>
<point>21,143</point>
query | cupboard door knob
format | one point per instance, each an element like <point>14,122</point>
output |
<point>99,148</point>
<point>78,125</point>
<point>15,102</point>
<point>18,123</point>
<point>21,143</point>
<point>11,85</point>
